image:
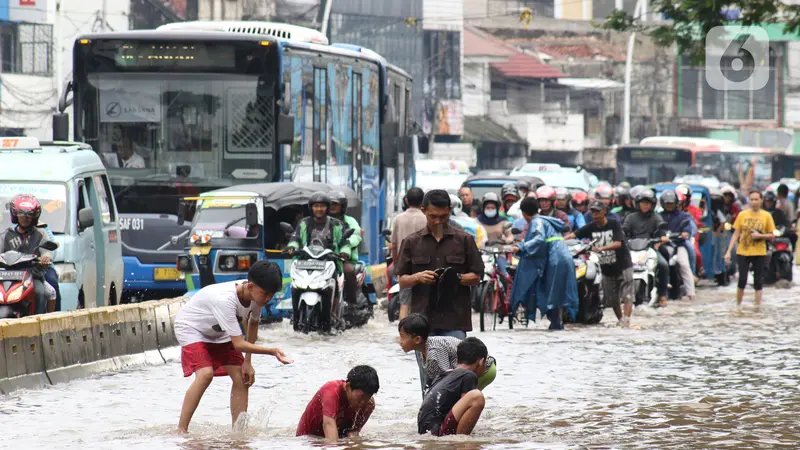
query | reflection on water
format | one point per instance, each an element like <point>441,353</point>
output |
<point>699,375</point>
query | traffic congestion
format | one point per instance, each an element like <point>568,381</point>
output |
<point>359,264</point>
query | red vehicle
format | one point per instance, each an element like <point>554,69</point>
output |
<point>17,298</point>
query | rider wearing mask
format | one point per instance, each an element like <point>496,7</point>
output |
<point>25,237</point>
<point>580,201</point>
<point>680,222</point>
<point>339,211</point>
<point>510,195</point>
<point>547,205</point>
<point>624,202</point>
<point>605,193</point>
<point>321,227</point>
<point>563,197</point>
<point>646,224</point>
<point>494,224</point>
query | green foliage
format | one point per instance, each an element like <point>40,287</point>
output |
<point>692,20</point>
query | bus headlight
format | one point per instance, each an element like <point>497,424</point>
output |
<point>184,263</point>
<point>66,273</point>
<point>227,263</point>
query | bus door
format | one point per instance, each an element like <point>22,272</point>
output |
<point>320,124</point>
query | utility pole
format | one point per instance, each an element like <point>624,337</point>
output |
<point>626,115</point>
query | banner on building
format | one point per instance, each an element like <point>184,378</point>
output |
<point>34,11</point>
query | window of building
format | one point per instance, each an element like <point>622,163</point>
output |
<point>27,48</point>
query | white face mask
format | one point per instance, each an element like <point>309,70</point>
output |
<point>490,213</point>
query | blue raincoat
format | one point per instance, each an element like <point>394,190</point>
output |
<point>545,277</point>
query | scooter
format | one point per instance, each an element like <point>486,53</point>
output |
<point>671,250</point>
<point>358,314</point>
<point>392,297</point>
<point>645,263</point>
<point>779,258</point>
<point>589,277</point>
<point>17,298</point>
<point>316,286</point>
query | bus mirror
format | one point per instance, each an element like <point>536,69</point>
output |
<point>285,128</point>
<point>61,127</point>
<point>181,212</point>
<point>423,145</point>
<point>63,103</point>
<point>251,214</point>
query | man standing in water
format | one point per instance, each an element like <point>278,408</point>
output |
<point>406,223</point>
<point>207,328</point>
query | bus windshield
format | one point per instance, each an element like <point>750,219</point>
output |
<point>647,164</point>
<point>736,167</point>
<point>197,115</point>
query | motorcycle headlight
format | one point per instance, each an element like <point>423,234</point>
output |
<point>14,295</point>
<point>639,258</point>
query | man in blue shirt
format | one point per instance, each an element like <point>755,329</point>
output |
<point>681,222</point>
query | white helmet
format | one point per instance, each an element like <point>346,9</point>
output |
<point>455,204</point>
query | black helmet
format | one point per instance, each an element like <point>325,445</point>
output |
<point>341,198</point>
<point>622,192</point>
<point>646,194</point>
<point>523,184</point>
<point>319,197</point>
<point>669,197</point>
<point>770,196</point>
<point>509,189</point>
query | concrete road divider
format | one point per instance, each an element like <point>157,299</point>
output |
<point>60,344</point>
<point>147,314</point>
<point>164,332</point>
<point>24,356</point>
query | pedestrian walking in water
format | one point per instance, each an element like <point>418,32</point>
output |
<point>753,227</point>
<point>207,328</point>
<point>409,221</point>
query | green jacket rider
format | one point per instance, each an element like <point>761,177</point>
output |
<point>339,211</point>
<point>319,225</point>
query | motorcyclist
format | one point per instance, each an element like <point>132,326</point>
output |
<point>322,228</point>
<point>339,211</point>
<point>563,198</point>
<point>605,193</point>
<point>684,192</point>
<point>680,222</point>
<point>27,237</point>
<point>510,196</point>
<point>495,225</point>
<point>624,202</point>
<point>460,220</point>
<point>524,187</point>
<point>646,224</point>
<point>778,215</point>
<point>580,201</point>
<point>719,235</point>
<point>547,205</point>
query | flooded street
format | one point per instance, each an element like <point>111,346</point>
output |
<point>696,375</point>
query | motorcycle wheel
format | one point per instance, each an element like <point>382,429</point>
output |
<point>596,307</point>
<point>642,296</point>
<point>785,267</point>
<point>308,316</point>
<point>394,308</point>
<point>476,297</point>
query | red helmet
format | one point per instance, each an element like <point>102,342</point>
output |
<point>546,192</point>
<point>25,205</point>
<point>580,197</point>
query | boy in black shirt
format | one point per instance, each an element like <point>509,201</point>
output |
<point>615,259</point>
<point>454,404</point>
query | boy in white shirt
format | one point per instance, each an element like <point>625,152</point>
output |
<point>207,328</point>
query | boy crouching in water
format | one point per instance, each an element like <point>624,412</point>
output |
<point>207,328</point>
<point>340,408</point>
<point>454,404</point>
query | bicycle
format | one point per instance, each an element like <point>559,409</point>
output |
<point>495,295</point>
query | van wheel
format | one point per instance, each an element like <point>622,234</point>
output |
<point>81,301</point>
<point>112,296</point>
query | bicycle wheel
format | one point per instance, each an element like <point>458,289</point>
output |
<point>484,304</point>
<point>497,292</point>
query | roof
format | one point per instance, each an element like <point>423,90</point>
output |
<point>58,163</point>
<point>577,48</point>
<point>499,180</point>
<point>485,129</point>
<point>477,43</point>
<point>591,83</point>
<point>279,195</point>
<point>521,65</point>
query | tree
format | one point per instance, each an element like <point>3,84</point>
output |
<point>693,19</point>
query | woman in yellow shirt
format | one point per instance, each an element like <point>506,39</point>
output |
<point>753,227</point>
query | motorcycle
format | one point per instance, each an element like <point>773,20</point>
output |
<point>675,280</point>
<point>589,277</point>
<point>779,258</point>
<point>645,263</point>
<point>17,298</point>
<point>392,297</point>
<point>317,285</point>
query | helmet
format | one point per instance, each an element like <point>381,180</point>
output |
<point>580,197</point>
<point>25,205</point>
<point>770,196</point>
<point>490,197</point>
<point>625,184</point>
<point>562,193</point>
<point>603,190</point>
<point>455,204</point>
<point>684,189</point>
<point>635,191</point>
<point>341,198</point>
<point>668,197</point>
<point>523,184</point>
<point>623,192</point>
<point>509,189</point>
<point>546,192</point>
<point>646,194</point>
<point>728,189</point>
<point>319,197</point>
<point>714,192</point>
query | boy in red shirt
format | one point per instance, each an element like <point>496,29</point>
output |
<point>341,408</point>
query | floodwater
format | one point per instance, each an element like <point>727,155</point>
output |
<point>694,375</point>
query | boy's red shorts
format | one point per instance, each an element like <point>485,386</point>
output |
<point>203,354</point>
<point>449,425</point>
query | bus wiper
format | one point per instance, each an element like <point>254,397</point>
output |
<point>173,240</point>
<point>233,222</point>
